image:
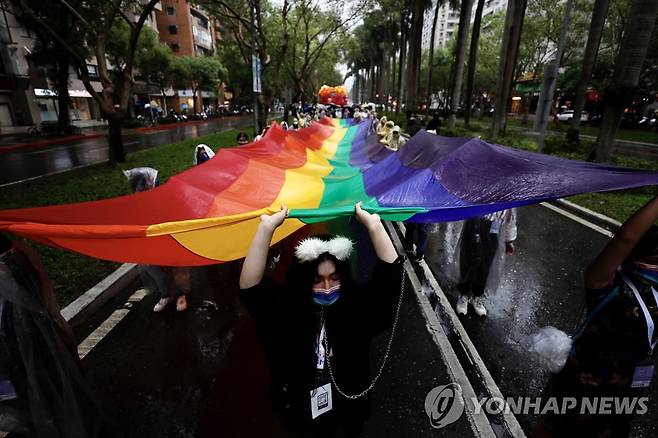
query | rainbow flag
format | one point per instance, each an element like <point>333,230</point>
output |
<point>209,213</point>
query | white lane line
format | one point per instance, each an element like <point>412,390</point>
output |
<point>578,219</point>
<point>478,421</point>
<point>106,326</point>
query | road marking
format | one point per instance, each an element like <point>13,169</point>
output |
<point>106,326</point>
<point>478,421</point>
<point>446,310</point>
<point>578,219</point>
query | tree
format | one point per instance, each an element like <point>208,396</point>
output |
<point>472,61</point>
<point>312,31</point>
<point>458,69</point>
<point>628,67</point>
<point>507,65</point>
<point>92,21</point>
<point>202,72</point>
<point>591,49</point>
<point>418,8</point>
<point>437,7</point>
<point>48,52</point>
<point>271,28</point>
<point>157,67</point>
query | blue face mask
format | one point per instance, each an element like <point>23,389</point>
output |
<point>326,297</point>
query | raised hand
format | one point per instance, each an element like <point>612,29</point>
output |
<point>368,220</point>
<point>273,221</point>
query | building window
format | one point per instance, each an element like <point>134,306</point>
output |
<point>201,50</point>
<point>175,47</point>
<point>170,10</point>
<point>92,71</point>
<point>173,30</point>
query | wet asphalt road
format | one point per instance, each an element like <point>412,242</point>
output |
<point>203,373</point>
<point>541,284</point>
<point>31,162</point>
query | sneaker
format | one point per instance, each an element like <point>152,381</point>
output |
<point>160,305</point>
<point>181,303</point>
<point>478,306</point>
<point>462,305</point>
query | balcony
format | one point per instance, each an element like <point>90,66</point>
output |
<point>202,37</point>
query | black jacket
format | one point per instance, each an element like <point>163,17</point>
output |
<point>287,323</point>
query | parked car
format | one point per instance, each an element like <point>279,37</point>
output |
<point>568,115</point>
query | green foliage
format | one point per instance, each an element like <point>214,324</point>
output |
<point>156,65</point>
<point>205,71</point>
<point>239,74</point>
<point>117,46</point>
<point>70,273</point>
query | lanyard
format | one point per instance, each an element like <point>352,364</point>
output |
<point>320,347</point>
<point>645,309</point>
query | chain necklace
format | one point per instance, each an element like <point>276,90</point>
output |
<point>386,354</point>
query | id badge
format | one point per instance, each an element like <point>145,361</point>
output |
<point>642,375</point>
<point>321,400</point>
<point>7,390</point>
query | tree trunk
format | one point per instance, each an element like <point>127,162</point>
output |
<point>117,153</point>
<point>628,66</point>
<point>403,50</point>
<point>593,40</point>
<point>63,117</point>
<point>392,88</point>
<point>413,65</point>
<point>472,60</point>
<point>550,80</point>
<point>458,70</point>
<point>508,53</point>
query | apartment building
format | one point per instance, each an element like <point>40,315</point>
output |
<point>447,22</point>
<point>26,96</point>
<point>189,31</point>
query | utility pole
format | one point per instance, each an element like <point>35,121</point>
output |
<point>255,65</point>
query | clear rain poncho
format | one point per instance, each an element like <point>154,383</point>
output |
<point>42,390</point>
<point>472,266</point>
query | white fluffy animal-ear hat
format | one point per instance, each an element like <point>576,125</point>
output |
<point>312,247</point>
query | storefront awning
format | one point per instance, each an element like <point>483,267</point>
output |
<point>42,92</point>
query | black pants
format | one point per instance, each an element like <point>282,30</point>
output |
<point>478,249</point>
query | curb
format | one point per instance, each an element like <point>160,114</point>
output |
<point>450,335</point>
<point>597,218</point>
<point>80,310</point>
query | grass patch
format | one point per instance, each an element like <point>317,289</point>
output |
<point>623,134</point>
<point>71,273</point>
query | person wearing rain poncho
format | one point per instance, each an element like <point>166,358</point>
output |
<point>384,127</point>
<point>613,350</point>
<point>173,284</point>
<point>481,240</point>
<point>202,153</point>
<point>43,392</point>
<point>394,140</point>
